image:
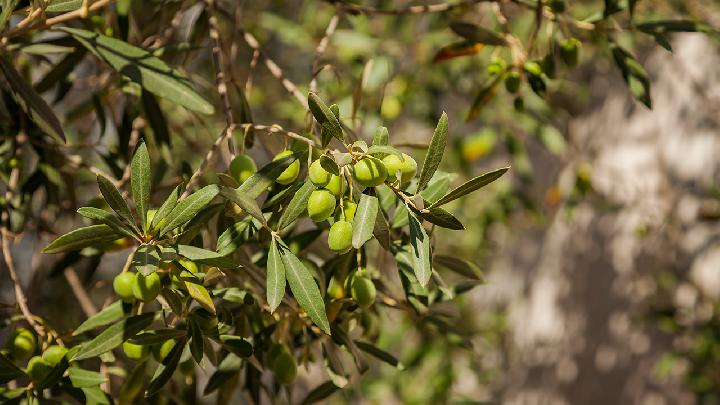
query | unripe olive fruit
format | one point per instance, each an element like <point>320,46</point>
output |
<point>512,82</point>
<point>335,289</point>
<point>21,344</point>
<point>349,208</point>
<point>336,185</point>
<point>292,171</point>
<point>557,6</point>
<point>362,291</point>
<point>233,210</point>
<point>533,68</point>
<point>570,51</point>
<point>38,369</point>
<point>204,319</point>
<point>284,367</point>
<point>123,285</point>
<point>135,352</point>
<point>146,288</point>
<point>321,205</point>
<point>160,352</point>
<point>54,354</point>
<point>340,237</point>
<point>370,172</point>
<point>318,175</point>
<point>407,167</point>
<point>242,167</point>
<point>13,163</point>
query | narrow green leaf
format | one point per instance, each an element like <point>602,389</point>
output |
<point>440,217</point>
<point>46,49</point>
<point>320,392</point>
<point>297,205</point>
<point>204,256</point>
<point>237,345</point>
<point>459,266</point>
<point>264,178</point>
<point>612,7</point>
<point>62,6</point>
<point>108,219</point>
<point>157,336</point>
<point>95,396</point>
<point>326,118</point>
<point>143,68</point>
<point>471,185</point>
<point>196,341</point>
<point>381,231</point>
<point>234,236</point>
<point>381,137</point>
<point>477,34</point>
<point>140,179</point>
<point>167,206</point>
<point>7,11</point>
<point>84,378</point>
<point>379,354</point>
<point>245,202</point>
<point>8,370</point>
<point>435,152</point>
<point>633,73</point>
<point>229,367</point>
<point>365,220</point>
<point>671,26</point>
<point>166,369</point>
<point>328,163</point>
<point>197,291</point>
<point>186,209</point>
<point>106,316</point>
<point>304,288</point>
<point>81,238</point>
<point>275,277</point>
<point>486,93</point>
<point>114,336</point>
<point>115,200</point>
<point>419,250</point>
<point>31,102</point>
<point>146,260</point>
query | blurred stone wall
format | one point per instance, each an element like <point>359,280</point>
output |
<point>577,289</point>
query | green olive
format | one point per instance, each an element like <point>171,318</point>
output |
<point>570,51</point>
<point>318,175</point>
<point>370,172</point>
<point>284,367</point>
<point>242,167</point>
<point>362,291</point>
<point>512,82</point>
<point>233,210</point>
<point>321,205</point>
<point>21,344</point>
<point>38,369</point>
<point>160,352</point>
<point>340,237</point>
<point>135,352</point>
<point>123,285</point>
<point>336,185</point>
<point>335,289</point>
<point>349,208</point>
<point>292,171</point>
<point>146,288</point>
<point>54,354</point>
<point>407,167</point>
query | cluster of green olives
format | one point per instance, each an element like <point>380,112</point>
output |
<point>136,286</point>
<point>22,345</point>
<point>368,172</point>
<point>359,284</point>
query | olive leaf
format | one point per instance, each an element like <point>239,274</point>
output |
<point>106,316</point>
<point>633,73</point>
<point>380,354</point>
<point>114,336</point>
<point>297,205</point>
<point>435,152</point>
<point>275,277</point>
<point>165,369</point>
<point>229,367</point>
<point>81,378</point>
<point>471,185</point>
<point>365,219</point>
<point>140,179</point>
<point>166,207</point>
<point>419,250</point>
<point>107,218</point>
<point>186,209</point>
<point>477,34</point>
<point>81,238</point>
<point>264,178</point>
<point>326,118</point>
<point>115,200</point>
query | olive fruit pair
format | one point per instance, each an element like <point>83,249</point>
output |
<point>282,363</point>
<point>21,344</point>
<point>129,286</point>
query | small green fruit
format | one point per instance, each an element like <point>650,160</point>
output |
<point>570,51</point>
<point>284,367</point>
<point>123,285</point>
<point>21,344</point>
<point>38,369</point>
<point>135,352</point>
<point>242,167</point>
<point>146,288</point>
<point>160,352</point>
<point>349,207</point>
<point>13,163</point>
<point>321,205</point>
<point>318,175</point>
<point>340,237</point>
<point>233,210</point>
<point>362,291</point>
<point>336,185</point>
<point>370,172</point>
<point>335,289</point>
<point>54,354</point>
<point>407,167</point>
<point>292,171</point>
<point>512,82</point>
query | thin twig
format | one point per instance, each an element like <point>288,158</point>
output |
<point>62,18</point>
<point>432,8</point>
<point>275,70</point>
<point>220,81</point>
<point>80,294</point>
<point>322,45</point>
